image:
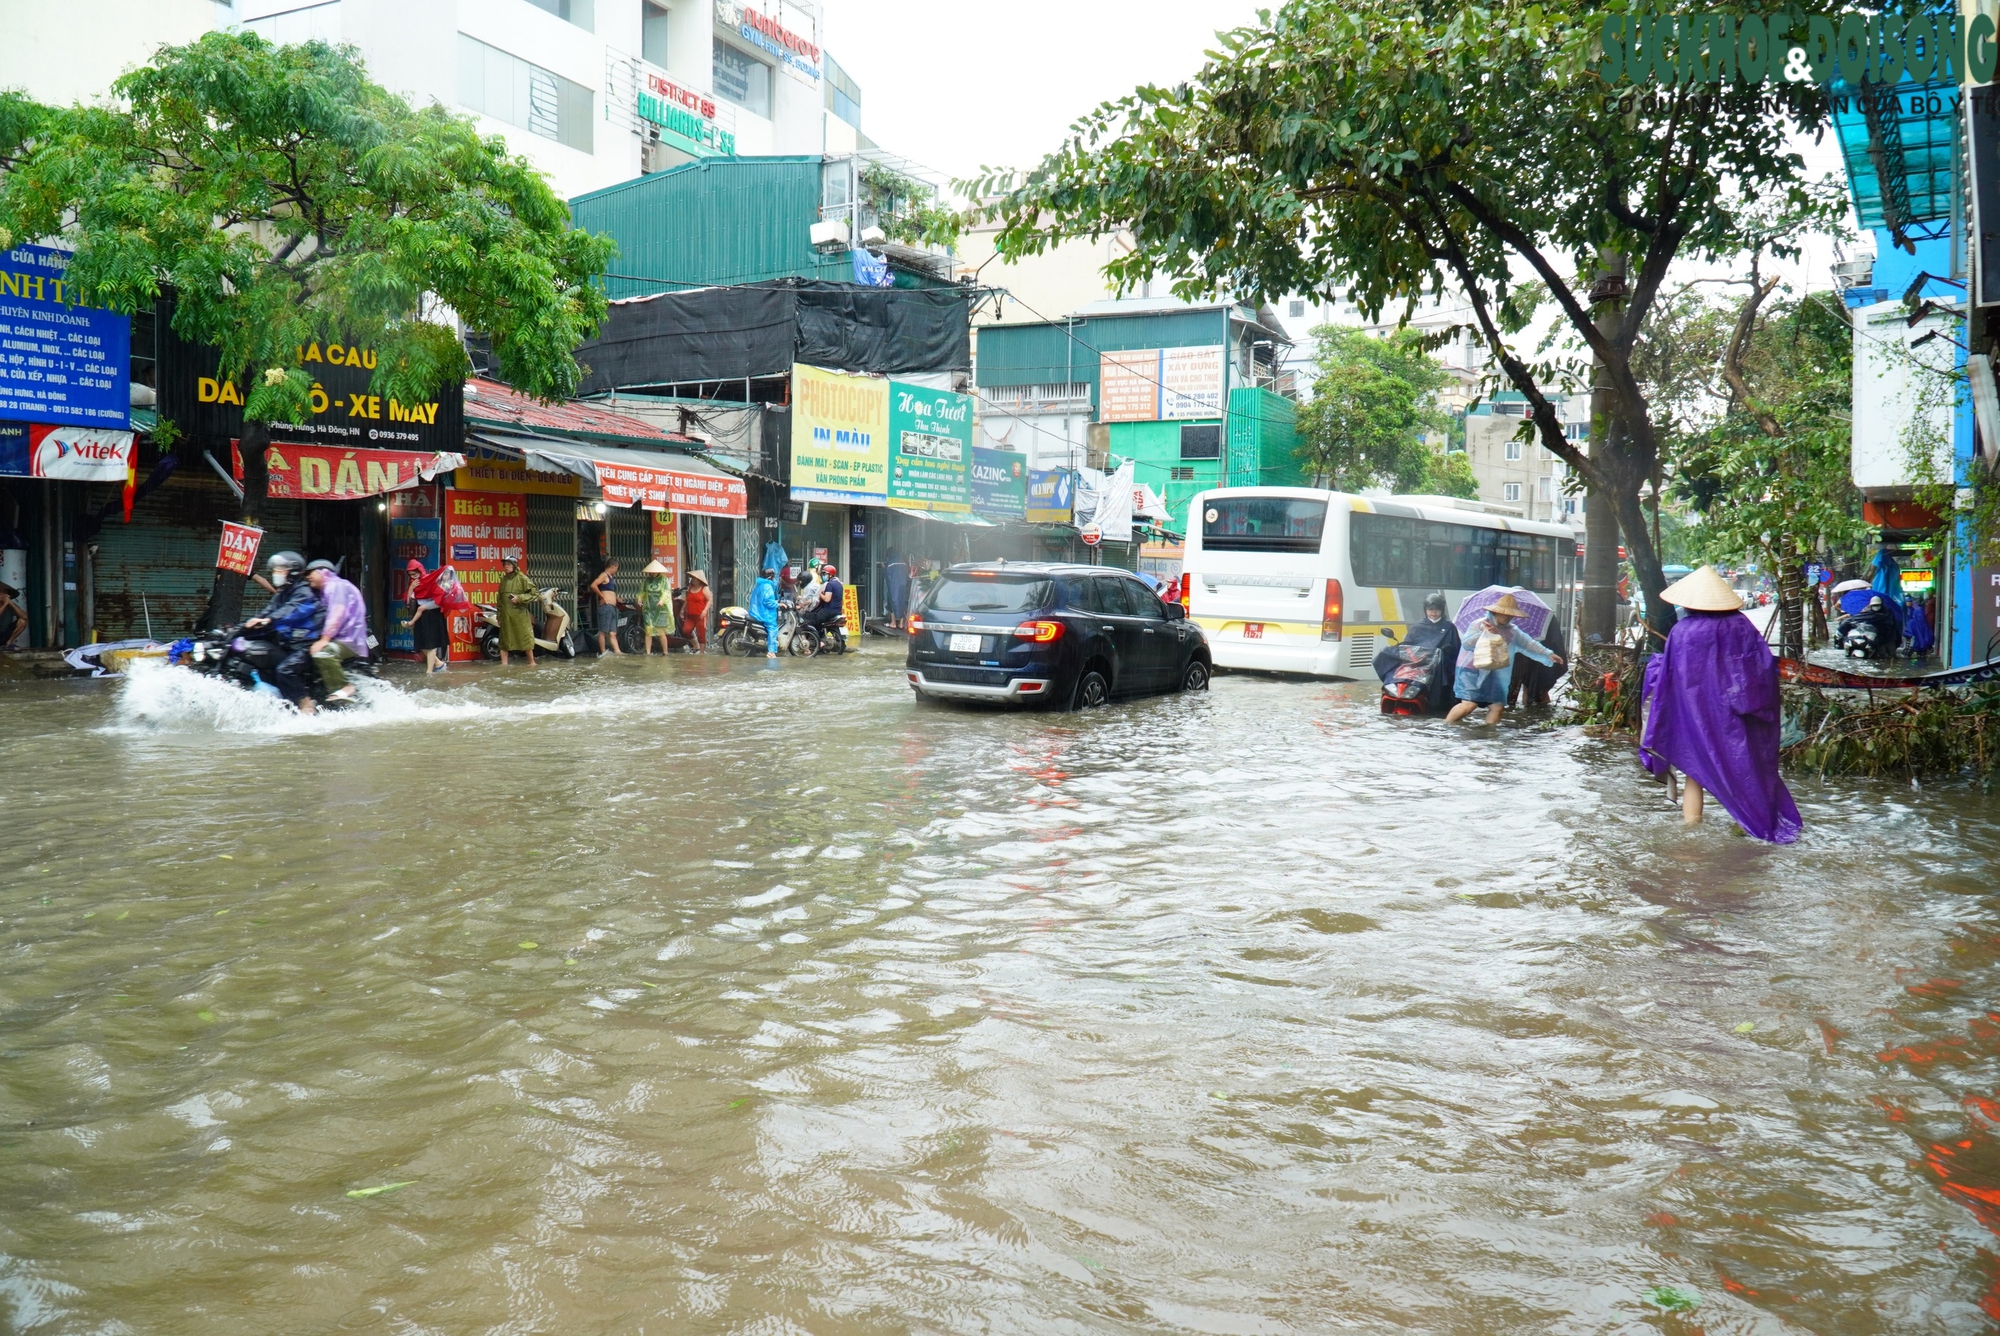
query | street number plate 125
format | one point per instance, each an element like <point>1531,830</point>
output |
<point>965,644</point>
<point>1253,630</point>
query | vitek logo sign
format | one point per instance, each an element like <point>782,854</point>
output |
<point>1788,47</point>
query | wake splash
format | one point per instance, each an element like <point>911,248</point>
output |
<point>156,697</point>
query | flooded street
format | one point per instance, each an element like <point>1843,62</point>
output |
<point>709,997</point>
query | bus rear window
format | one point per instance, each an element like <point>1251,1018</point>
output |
<point>1262,524</point>
<point>957,593</point>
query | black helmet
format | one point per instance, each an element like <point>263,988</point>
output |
<point>1434,600</point>
<point>321,564</point>
<point>291,561</point>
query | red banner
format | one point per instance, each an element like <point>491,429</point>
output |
<point>239,548</point>
<point>672,489</point>
<point>334,473</point>
<point>480,528</point>
<point>667,544</point>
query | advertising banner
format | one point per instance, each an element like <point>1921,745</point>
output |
<point>330,473</point>
<point>410,537</point>
<point>1051,496</point>
<point>239,548</point>
<point>78,454</point>
<point>479,529</point>
<point>344,411</point>
<point>999,483</point>
<point>59,362</point>
<point>667,543</point>
<point>1160,384</point>
<point>663,487</point>
<point>485,470</point>
<point>840,437</point>
<point>930,436</point>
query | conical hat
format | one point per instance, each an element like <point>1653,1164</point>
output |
<point>655,567</point>
<point>1703,591</point>
<point>1508,606</point>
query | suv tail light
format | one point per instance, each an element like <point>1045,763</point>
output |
<point>1329,619</point>
<point>1042,633</point>
<point>916,626</point>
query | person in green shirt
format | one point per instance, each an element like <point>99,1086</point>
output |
<point>516,598</point>
<point>656,604</point>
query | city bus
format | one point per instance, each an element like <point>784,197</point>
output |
<point>1298,580</point>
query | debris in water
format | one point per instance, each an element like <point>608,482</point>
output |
<point>379,1189</point>
<point>230,857</point>
<point>527,946</point>
<point>126,914</point>
<point>735,1103</point>
<point>1746,1027</point>
<point>1673,1298</point>
<point>206,1015</point>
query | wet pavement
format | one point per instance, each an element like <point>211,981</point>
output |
<point>704,996</point>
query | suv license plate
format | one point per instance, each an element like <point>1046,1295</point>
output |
<point>965,644</point>
<point>1253,630</point>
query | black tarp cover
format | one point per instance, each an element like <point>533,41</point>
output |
<point>727,333</point>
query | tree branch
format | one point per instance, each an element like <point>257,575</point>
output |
<point>1739,343</point>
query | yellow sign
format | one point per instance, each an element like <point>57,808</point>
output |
<point>840,437</point>
<point>850,605</point>
<point>482,474</point>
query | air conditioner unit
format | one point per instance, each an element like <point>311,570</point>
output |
<point>873,236</point>
<point>830,234</point>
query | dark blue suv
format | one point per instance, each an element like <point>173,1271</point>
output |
<point>1066,636</point>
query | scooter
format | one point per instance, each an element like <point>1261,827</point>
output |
<point>250,659</point>
<point>824,638</point>
<point>1863,638</point>
<point>1406,688</point>
<point>740,635</point>
<point>552,629</point>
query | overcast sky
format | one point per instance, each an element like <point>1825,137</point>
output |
<point>959,84</point>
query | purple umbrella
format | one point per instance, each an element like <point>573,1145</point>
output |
<point>1534,617</point>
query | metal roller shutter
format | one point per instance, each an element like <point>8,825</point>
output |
<point>552,547</point>
<point>629,537</point>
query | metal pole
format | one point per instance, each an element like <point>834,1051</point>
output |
<point>145,608</point>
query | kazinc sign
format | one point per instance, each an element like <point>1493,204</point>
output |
<point>1789,47</point>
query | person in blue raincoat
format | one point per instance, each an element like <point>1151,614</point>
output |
<point>1486,660</point>
<point>764,608</point>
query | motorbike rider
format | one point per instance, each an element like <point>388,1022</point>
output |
<point>294,617</point>
<point>827,608</point>
<point>344,634</point>
<point>1888,629</point>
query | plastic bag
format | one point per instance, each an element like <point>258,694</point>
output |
<point>1490,652</point>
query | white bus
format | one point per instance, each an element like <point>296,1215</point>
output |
<point>1297,580</point>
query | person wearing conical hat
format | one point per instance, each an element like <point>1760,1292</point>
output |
<point>513,607</point>
<point>1712,711</point>
<point>656,603</point>
<point>1486,659</point>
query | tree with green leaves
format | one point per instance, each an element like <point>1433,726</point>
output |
<point>284,200</point>
<point>1395,150</point>
<point>1374,413</point>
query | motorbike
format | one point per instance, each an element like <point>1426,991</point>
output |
<point>740,635</point>
<point>553,634</point>
<point>825,638</point>
<point>250,660</point>
<point>1862,637</point>
<point>1406,687</point>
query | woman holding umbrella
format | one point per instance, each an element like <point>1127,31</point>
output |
<point>1491,640</point>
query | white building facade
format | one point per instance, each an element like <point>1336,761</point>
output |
<point>593,92</point>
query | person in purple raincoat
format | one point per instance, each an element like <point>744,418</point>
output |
<point>1712,713</point>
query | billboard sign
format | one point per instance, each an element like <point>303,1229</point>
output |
<point>999,483</point>
<point>840,437</point>
<point>59,362</point>
<point>1160,384</point>
<point>930,441</point>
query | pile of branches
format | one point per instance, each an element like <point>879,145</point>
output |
<point>1604,683</point>
<point>1902,734</point>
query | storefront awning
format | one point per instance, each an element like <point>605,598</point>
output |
<point>942,517</point>
<point>679,483</point>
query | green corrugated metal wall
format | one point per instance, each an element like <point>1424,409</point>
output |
<point>1263,440</point>
<point>1047,355</point>
<point>721,220</point>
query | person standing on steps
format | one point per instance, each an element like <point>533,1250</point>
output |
<point>1712,711</point>
<point>1486,660</point>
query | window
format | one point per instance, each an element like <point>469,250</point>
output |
<point>1180,473</point>
<point>843,95</point>
<point>1201,441</point>
<point>570,11</point>
<point>1298,310</point>
<point>1510,491</point>
<point>743,80</point>
<point>1262,524</point>
<point>1421,554</point>
<point>1545,487</point>
<point>1513,449</point>
<point>509,89</point>
<point>999,594</point>
<point>653,34</point>
<point>1145,603</point>
<point>1105,595</point>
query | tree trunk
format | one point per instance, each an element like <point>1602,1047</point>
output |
<point>1646,566</point>
<point>1600,516</point>
<point>1791,609</point>
<point>225,599</point>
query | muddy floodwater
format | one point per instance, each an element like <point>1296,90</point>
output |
<point>702,996</point>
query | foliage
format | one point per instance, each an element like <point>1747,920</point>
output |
<point>908,210</point>
<point>286,200</point>
<point>1449,473</point>
<point>1604,682</point>
<point>1770,497</point>
<point>1901,734</point>
<point>1373,407</point>
<point>1392,150</point>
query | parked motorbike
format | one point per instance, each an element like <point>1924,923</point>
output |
<point>1865,638</point>
<point>825,638</point>
<point>1407,686</point>
<point>740,635</point>
<point>552,629</point>
<point>249,659</point>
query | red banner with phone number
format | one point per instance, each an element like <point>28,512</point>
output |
<point>238,554</point>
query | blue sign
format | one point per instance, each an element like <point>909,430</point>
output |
<point>59,362</point>
<point>871,270</point>
<point>410,538</point>
<point>1051,494</point>
<point>999,482</point>
<point>15,450</point>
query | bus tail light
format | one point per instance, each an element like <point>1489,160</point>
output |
<point>1042,633</point>
<point>1187,591</point>
<point>1329,622</point>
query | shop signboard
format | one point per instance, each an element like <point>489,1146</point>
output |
<point>486,470</point>
<point>344,411</point>
<point>797,52</point>
<point>411,538</point>
<point>1051,496</point>
<point>687,120</point>
<point>59,362</point>
<point>481,528</point>
<point>999,483</point>
<point>667,543</point>
<point>840,437</point>
<point>664,487</point>
<point>331,473</point>
<point>1160,384</point>
<point>238,553</point>
<point>930,438</point>
<point>67,454</point>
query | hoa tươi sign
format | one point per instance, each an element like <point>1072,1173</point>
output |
<point>329,473</point>
<point>930,434</point>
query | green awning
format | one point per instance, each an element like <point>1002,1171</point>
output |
<point>1899,142</point>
